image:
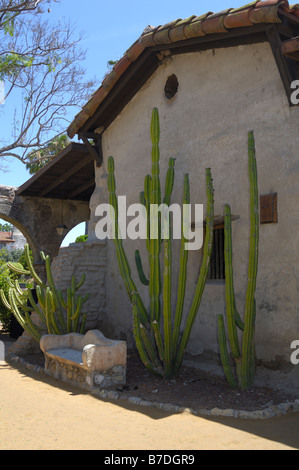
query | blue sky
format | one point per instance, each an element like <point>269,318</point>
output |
<point>110,29</point>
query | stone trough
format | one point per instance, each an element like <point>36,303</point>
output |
<point>88,361</point>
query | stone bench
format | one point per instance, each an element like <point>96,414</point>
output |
<point>88,361</point>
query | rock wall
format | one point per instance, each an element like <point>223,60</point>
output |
<point>88,258</point>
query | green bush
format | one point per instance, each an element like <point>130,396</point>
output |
<point>10,256</point>
<point>81,239</point>
<point>6,276</point>
<point>4,313</point>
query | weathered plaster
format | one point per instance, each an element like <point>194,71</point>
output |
<point>222,95</point>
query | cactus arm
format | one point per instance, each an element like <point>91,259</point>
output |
<point>5,301</point>
<point>224,354</point>
<point>54,291</point>
<point>150,349</point>
<point>182,273</point>
<point>83,323</point>
<point>36,307</point>
<point>167,278</point>
<point>142,276</point>
<point>169,181</point>
<point>159,340</point>
<point>17,269</point>
<point>31,268</point>
<point>78,309</point>
<point>26,322</point>
<point>18,288</point>
<point>250,307</point>
<point>203,271</point>
<point>48,312</point>
<point>138,338</point>
<point>80,283</point>
<point>147,193</point>
<point>69,309</point>
<point>229,285</point>
<point>41,297</point>
<point>239,322</point>
<point>10,283</point>
<point>124,266</point>
<point>167,308</point>
<point>61,299</point>
<point>155,241</point>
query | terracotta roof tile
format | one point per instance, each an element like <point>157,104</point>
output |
<point>256,12</point>
<point>6,237</point>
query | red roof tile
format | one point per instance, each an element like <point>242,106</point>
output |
<point>256,12</point>
<point>6,237</point>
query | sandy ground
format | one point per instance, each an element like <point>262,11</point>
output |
<point>38,413</point>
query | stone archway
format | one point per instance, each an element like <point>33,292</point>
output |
<point>37,219</point>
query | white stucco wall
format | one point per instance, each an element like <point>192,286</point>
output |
<point>222,95</point>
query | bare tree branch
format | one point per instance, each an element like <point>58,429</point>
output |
<point>40,63</point>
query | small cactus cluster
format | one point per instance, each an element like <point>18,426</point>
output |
<point>159,340</point>
<point>244,357</point>
<point>57,315</point>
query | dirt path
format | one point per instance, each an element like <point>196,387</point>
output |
<point>40,413</point>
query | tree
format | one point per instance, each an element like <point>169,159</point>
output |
<point>6,228</point>
<point>40,157</point>
<point>40,66</point>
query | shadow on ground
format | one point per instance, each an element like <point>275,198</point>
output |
<point>283,430</point>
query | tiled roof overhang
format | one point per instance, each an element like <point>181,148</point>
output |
<point>141,60</point>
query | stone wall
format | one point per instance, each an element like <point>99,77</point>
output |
<point>20,240</point>
<point>88,258</point>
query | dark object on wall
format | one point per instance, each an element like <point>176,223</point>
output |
<point>268,209</point>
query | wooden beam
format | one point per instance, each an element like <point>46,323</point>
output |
<point>94,150</point>
<point>290,48</point>
<point>65,176</point>
<point>81,188</point>
<point>281,62</point>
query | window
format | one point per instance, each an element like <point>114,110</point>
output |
<point>217,265</point>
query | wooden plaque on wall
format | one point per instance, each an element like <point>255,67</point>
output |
<point>268,209</point>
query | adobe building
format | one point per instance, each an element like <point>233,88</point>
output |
<point>213,78</point>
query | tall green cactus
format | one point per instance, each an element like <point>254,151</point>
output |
<point>57,315</point>
<point>244,357</point>
<point>160,344</point>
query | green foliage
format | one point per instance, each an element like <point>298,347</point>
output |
<point>6,228</point>
<point>13,258</point>
<point>58,315</point>
<point>5,279</point>
<point>11,64</point>
<point>159,341</point>
<point>40,157</point>
<point>13,255</point>
<point>81,239</point>
<point>244,357</point>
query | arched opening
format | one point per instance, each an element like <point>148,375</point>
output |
<point>79,231</point>
<point>13,238</point>
<point>22,233</point>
